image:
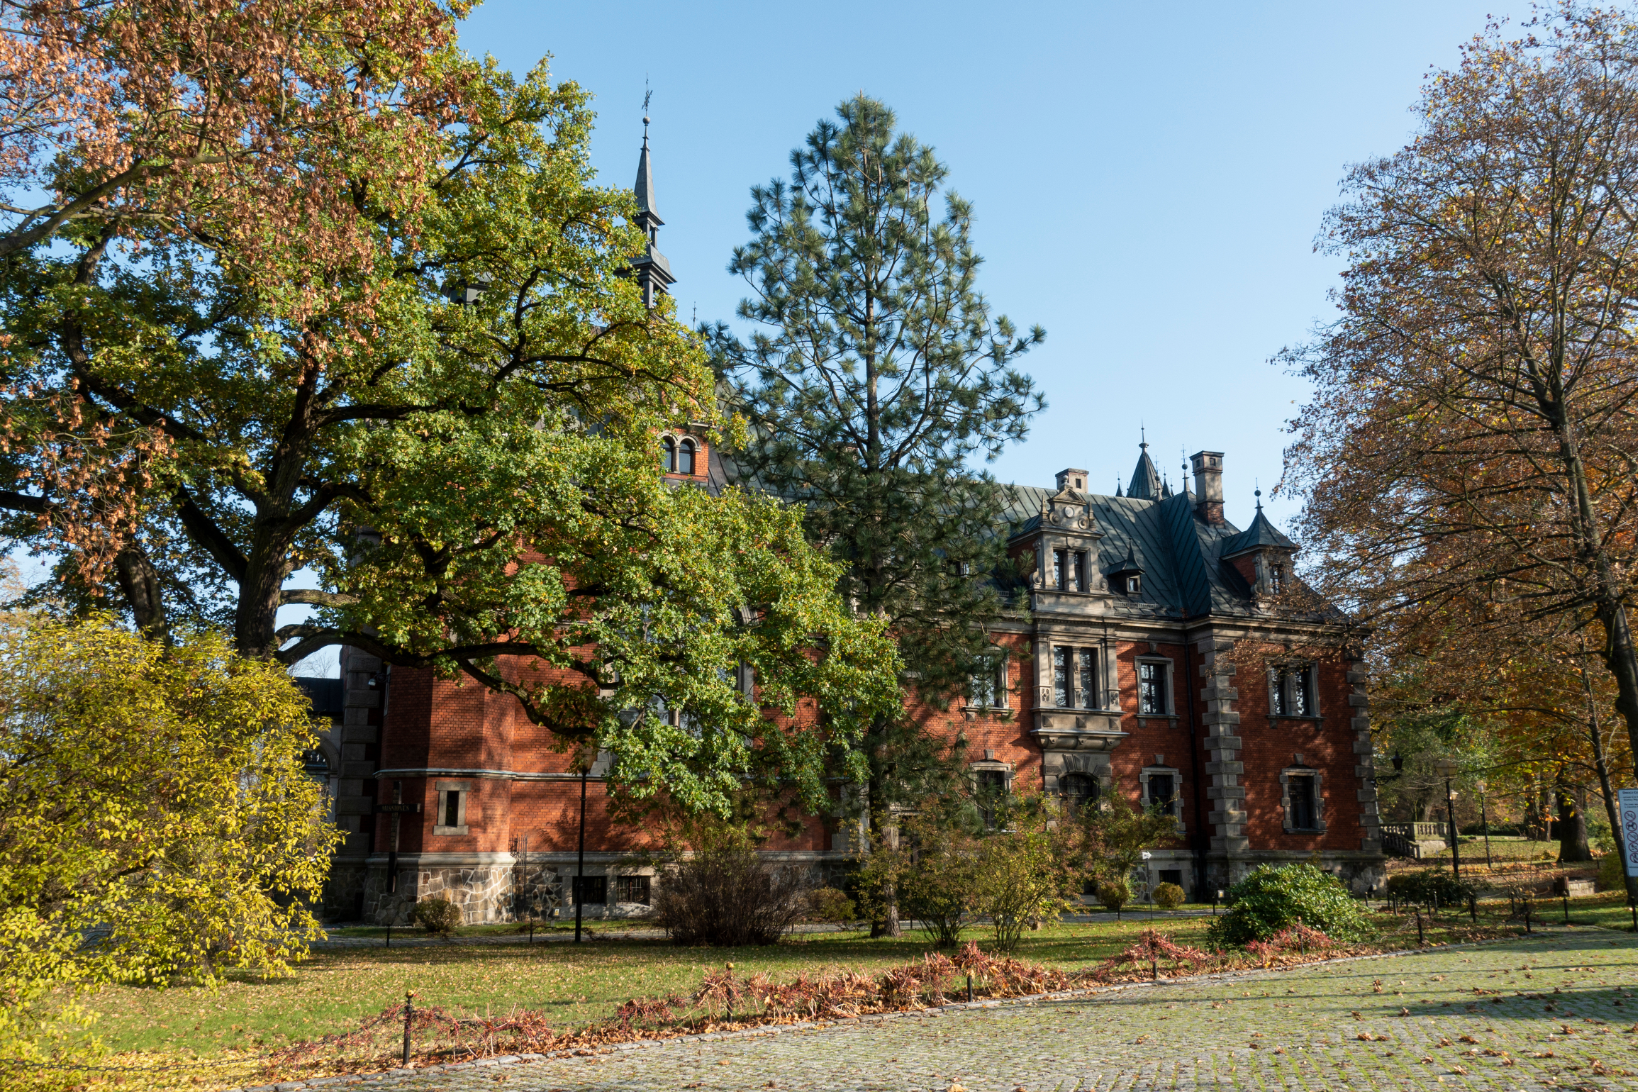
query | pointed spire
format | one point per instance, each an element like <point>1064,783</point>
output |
<point>645,187</point>
<point>1118,493</point>
<point>1145,484</point>
<point>653,272</point>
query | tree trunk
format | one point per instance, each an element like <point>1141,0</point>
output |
<point>1572,825</point>
<point>880,828</point>
<point>1612,810</point>
<point>139,581</point>
<point>1619,654</point>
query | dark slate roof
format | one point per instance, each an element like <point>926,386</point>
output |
<point>1145,483</point>
<point>645,181</point>
<point>1180,554</point>
<point>1260,533</point>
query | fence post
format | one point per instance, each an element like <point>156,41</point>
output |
<point>969,987</point>
<point>1473,908</point>
<point>1419,940</point>
<point>1566,909</point>
<point>409,1013</point>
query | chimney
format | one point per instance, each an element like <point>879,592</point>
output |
<point>1208,485</point>
<point>1072,479</point>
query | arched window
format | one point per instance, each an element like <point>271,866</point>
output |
<point>1078,790</point>
<point>668,455</point>
<point>685,458</point>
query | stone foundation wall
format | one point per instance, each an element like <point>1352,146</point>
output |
<point>501,889</point>
<point>344,897</point>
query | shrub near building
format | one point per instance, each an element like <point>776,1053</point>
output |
<point>1271,899</point>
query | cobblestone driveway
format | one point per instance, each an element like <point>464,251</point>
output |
<point>1555,1012</point>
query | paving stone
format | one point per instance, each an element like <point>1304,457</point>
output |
<point>1558,1011</point>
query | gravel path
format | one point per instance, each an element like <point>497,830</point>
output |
<point>1556,1011</point>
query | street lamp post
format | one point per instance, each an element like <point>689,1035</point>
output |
<point>1484,819</point>
<point>1447,768</point>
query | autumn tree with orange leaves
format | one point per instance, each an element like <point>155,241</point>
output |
<point>1467,458</point>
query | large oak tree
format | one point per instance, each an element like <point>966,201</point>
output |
<point>299,285</point>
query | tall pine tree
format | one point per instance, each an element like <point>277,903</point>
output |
<point>873,379</point>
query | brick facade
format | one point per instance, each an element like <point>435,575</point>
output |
<point>1140,657</point>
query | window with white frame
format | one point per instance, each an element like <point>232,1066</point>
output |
<point>1291,690</point>
<point>1154,695</point>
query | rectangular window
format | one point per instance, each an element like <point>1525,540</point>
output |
<point>1291,691</point>
<point>1152,688</point>
<point>1060,569</point>
<point>1162,793</point>
<point>1300,790</point>
<point>1060,677</point>
<point>631,889</point>
<point>1080,571</point>
<point>987,689</point>
<point>452,808</point>
<point>1087,677</point>
<point>596,889</point>
<point>1276,578</point>
<point>992,789</point>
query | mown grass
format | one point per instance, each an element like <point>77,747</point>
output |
<point>573,985</point>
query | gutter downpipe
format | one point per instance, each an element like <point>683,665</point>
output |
<point>1201,844</point>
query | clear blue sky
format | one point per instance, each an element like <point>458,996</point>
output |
<point>1148,179</point>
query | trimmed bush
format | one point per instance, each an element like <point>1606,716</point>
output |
<point>438,916</point>
<point>1168,896</point>
<point>1270,900</point>
<point>727,896</point>
<point>830,905</point>
<point>1114,894</point>
<point>1428,884</point>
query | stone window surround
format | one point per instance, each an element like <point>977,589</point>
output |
<point>1160,767</point>
<point>1100,643</point>
<point>1317,717</point>
<point>462,790</point>
<point>1300,770</point>
<point>674,440</point>
<point>1166,688</point>
<point>1005,768</point>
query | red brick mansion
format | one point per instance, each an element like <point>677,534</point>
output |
<point>1153,653</point>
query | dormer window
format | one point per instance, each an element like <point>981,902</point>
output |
<point>1134,585</point>
<point>1276,578</point>
<point>685,457</point>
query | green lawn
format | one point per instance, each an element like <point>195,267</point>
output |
<point>574,985</point>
